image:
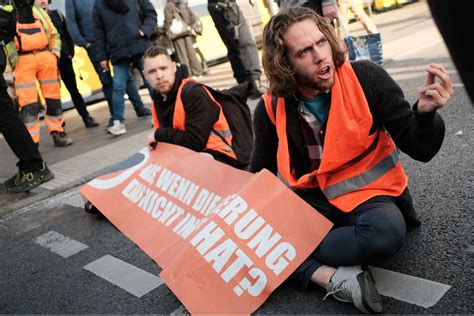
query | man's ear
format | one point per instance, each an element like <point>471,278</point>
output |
<point>174,66</point>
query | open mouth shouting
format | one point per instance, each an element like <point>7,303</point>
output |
<point>325,73</point>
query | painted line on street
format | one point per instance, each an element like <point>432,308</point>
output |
<point>75,200</point>
<point>409,289</point>
<point>124,275</point>
<point>59,244</point>
<point>470,249</point>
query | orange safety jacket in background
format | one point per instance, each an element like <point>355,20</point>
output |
<point>355,165</point>
<point>221,126</point>
<point>39,48</point>
<point>38,36</point>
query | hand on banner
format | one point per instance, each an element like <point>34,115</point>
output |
<point>151,141</point>
<point>434,95</point>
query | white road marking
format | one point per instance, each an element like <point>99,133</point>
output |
<point>59,244</point>
<point>470,249</point>
<point>75,200</point>
<point>410,289</point>
<point>124,275</point>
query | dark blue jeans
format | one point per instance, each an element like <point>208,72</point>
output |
<point>373,230</point>
<point>122,79</point>
<point>107,85</point>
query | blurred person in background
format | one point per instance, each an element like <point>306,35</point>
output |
<point>359,14</point>
<point>65,62</point>
<point>326,8</point>
<point>453,24</point>
<point>32,170</point>
<point>197,30</point>
<point>122,31</point>
<point>178,12</point>
<point>39,47</point>
<point>79,19</point>
<point>242,49</point>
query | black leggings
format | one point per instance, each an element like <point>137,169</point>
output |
<point>69,78</point>
<point>373,230</point>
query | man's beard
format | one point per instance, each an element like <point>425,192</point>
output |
<point>164,89</point>
<point>311,82</point>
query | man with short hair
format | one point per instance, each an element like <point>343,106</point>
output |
<point>331,130</point>
<point>183,113</point>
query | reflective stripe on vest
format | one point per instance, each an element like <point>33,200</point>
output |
<point>220,130</point>
<point>54,39</point>
<point>41,15</point>
<point>351,171</point>
<point>363,179</point>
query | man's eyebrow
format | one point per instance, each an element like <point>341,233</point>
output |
<point>298,52</point>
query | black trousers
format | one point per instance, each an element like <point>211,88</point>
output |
<point>242,52</point>
<point>16,134</point>
<point>69,78</point>
<point>373,230</point>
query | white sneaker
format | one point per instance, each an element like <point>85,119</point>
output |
<point>117,129</point>
<point>353,284</point>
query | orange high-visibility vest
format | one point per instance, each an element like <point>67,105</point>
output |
<point>355,165</point>
<point>215,141</point>
<point>40,35</point>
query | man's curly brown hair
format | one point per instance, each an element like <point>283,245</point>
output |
<point>280,73</point>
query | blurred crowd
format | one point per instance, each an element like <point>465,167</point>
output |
<point>115,35</point>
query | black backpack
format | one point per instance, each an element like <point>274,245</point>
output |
<point>238,116</point>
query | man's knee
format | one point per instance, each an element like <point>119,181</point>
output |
<point>384,237</point>
<point>390,238</point>
<point>119,85</point>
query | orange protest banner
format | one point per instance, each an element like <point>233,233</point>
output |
<point>213,229</point>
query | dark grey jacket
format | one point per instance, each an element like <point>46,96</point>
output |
<point>117,35</point>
